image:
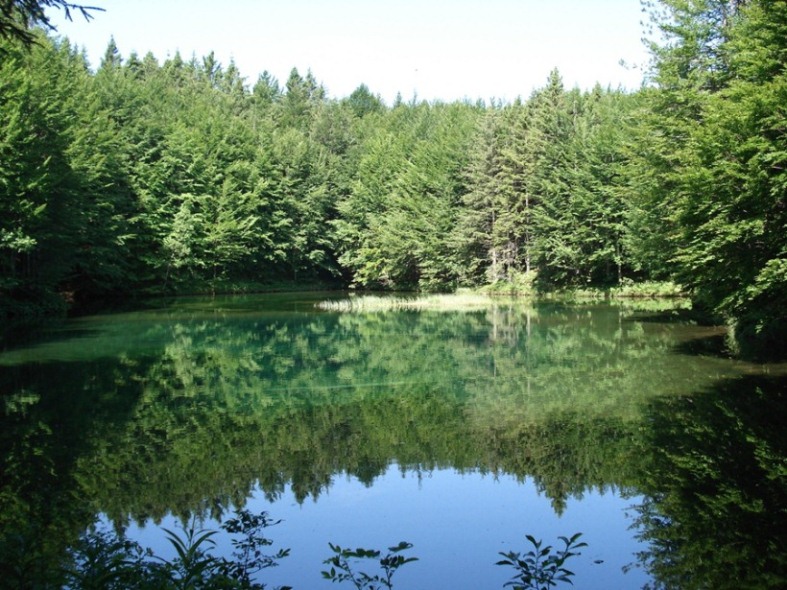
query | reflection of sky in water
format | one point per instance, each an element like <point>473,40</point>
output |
<point>457,523</point>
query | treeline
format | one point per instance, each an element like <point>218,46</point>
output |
<point>149,177</point>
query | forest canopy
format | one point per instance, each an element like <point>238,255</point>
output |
<point>141,177</point>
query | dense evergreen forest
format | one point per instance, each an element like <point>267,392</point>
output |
<point>141,177</point>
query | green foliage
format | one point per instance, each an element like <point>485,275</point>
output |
<point>713,154</point>
<point>18,16</point>
<point>249,559</point>
<point>648,289</point>
<point>547,192</point>
<point>541,568</point>
<point>342,569</point>
<point>363,102</point>
<point>719,456</point>
<point>143,177</point>
<point>104,560</point>
<point>101,560</point>
<point>108,560</point>
<point>61,223</point>
<point>395,224</point>
<point>517,283</point>
<point>194,565</point>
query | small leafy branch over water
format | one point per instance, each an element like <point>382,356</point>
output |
<point>104,560</point>
<point>342,570</point>
<point>540,568</point>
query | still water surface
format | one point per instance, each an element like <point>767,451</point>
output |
<point>459,426</point>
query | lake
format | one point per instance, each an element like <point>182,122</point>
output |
<point>458,424</point>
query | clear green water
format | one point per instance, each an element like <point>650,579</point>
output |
<point>458,428</point>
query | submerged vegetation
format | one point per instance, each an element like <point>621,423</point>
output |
<point>141,177</point>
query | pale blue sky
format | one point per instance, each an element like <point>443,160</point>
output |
<point>439,49</point>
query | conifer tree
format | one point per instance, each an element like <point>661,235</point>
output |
<point>723,69</point>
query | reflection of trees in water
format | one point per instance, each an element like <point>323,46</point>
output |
<point>56,423</point>
<point>220,406</point>
<point>502,390</point>
<point>715,514</point>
